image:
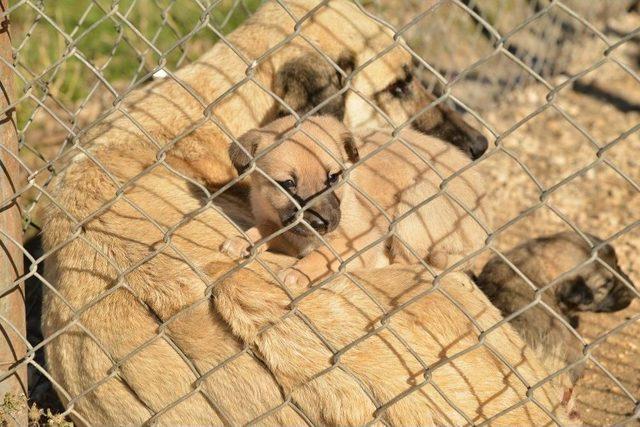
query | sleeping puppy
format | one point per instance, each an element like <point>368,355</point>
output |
<point>386,209</point>
<point>592,287</point>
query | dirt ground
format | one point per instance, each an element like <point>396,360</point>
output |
<point>604,200</point>
<point>600,202</point>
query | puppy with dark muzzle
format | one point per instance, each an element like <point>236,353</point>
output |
<point>309,81</point>
<point>598,286</point>
<point>388,208</point>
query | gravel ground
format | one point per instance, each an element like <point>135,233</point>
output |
<point>604,200</point>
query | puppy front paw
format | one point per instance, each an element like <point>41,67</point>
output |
<point>236,247</point>
<point>293,277</point>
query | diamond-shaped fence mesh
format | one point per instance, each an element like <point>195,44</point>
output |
<point>121,193</point>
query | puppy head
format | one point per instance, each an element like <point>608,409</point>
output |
<point>406,97</point>
<point>381,82</point>
<point>305,165</point>
<point>391,88</point>
<point>593,287</point>
<point>309,82</point>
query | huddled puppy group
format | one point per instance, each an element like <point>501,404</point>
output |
<point>317,110</point>
<point>338,198</point>
<point>372,198</point>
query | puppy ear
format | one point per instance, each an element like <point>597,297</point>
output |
<point>242,157</point>
<point>350,147</point>
<point>347,63</point>
<point>306,81</point>
<point>607,252</point>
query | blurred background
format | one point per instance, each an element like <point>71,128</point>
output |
<point>554,85</point>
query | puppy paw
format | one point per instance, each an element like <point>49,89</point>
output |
<point>236,247</point>
<point>293,277</point>
<point>438,259</point>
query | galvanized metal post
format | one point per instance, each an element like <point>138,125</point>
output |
<point>13,384</point>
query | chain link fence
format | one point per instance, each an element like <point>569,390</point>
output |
<point>116,306</point>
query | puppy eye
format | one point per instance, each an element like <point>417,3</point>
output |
<point>332,178</point>
<point>288,185</point>
<point>400,88</point>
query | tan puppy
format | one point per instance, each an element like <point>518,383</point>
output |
<point>144,324</point>
<point>307,167</point>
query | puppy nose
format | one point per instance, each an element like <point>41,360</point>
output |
<point>318,224</point>
<point>479,146</point>
<point>620,297</point>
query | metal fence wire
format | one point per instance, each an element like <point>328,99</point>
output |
<point>116,306</point>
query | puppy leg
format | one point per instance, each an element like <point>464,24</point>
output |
<point>239,247</point>
<point>439,232</point>
<point>439,259</point>
<point>321,262</point>
<point>315,265</point>
<point>442,259</point>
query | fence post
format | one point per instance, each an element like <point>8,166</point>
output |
<point>12,298</point>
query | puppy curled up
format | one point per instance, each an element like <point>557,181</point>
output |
<point>596,286</point>
<point>399,204</point>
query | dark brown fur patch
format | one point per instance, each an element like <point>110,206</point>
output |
<point>541,260</point>
<point>309,80</point>
<point>239,157</point>
<point>351,148</point>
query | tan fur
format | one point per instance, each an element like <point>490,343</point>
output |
<point>124,299</point>
<point>395,177</point>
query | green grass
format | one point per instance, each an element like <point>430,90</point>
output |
<point>114,37</point>
<point>67,51</point>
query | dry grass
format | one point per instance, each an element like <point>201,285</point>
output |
<point>13,407</point>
